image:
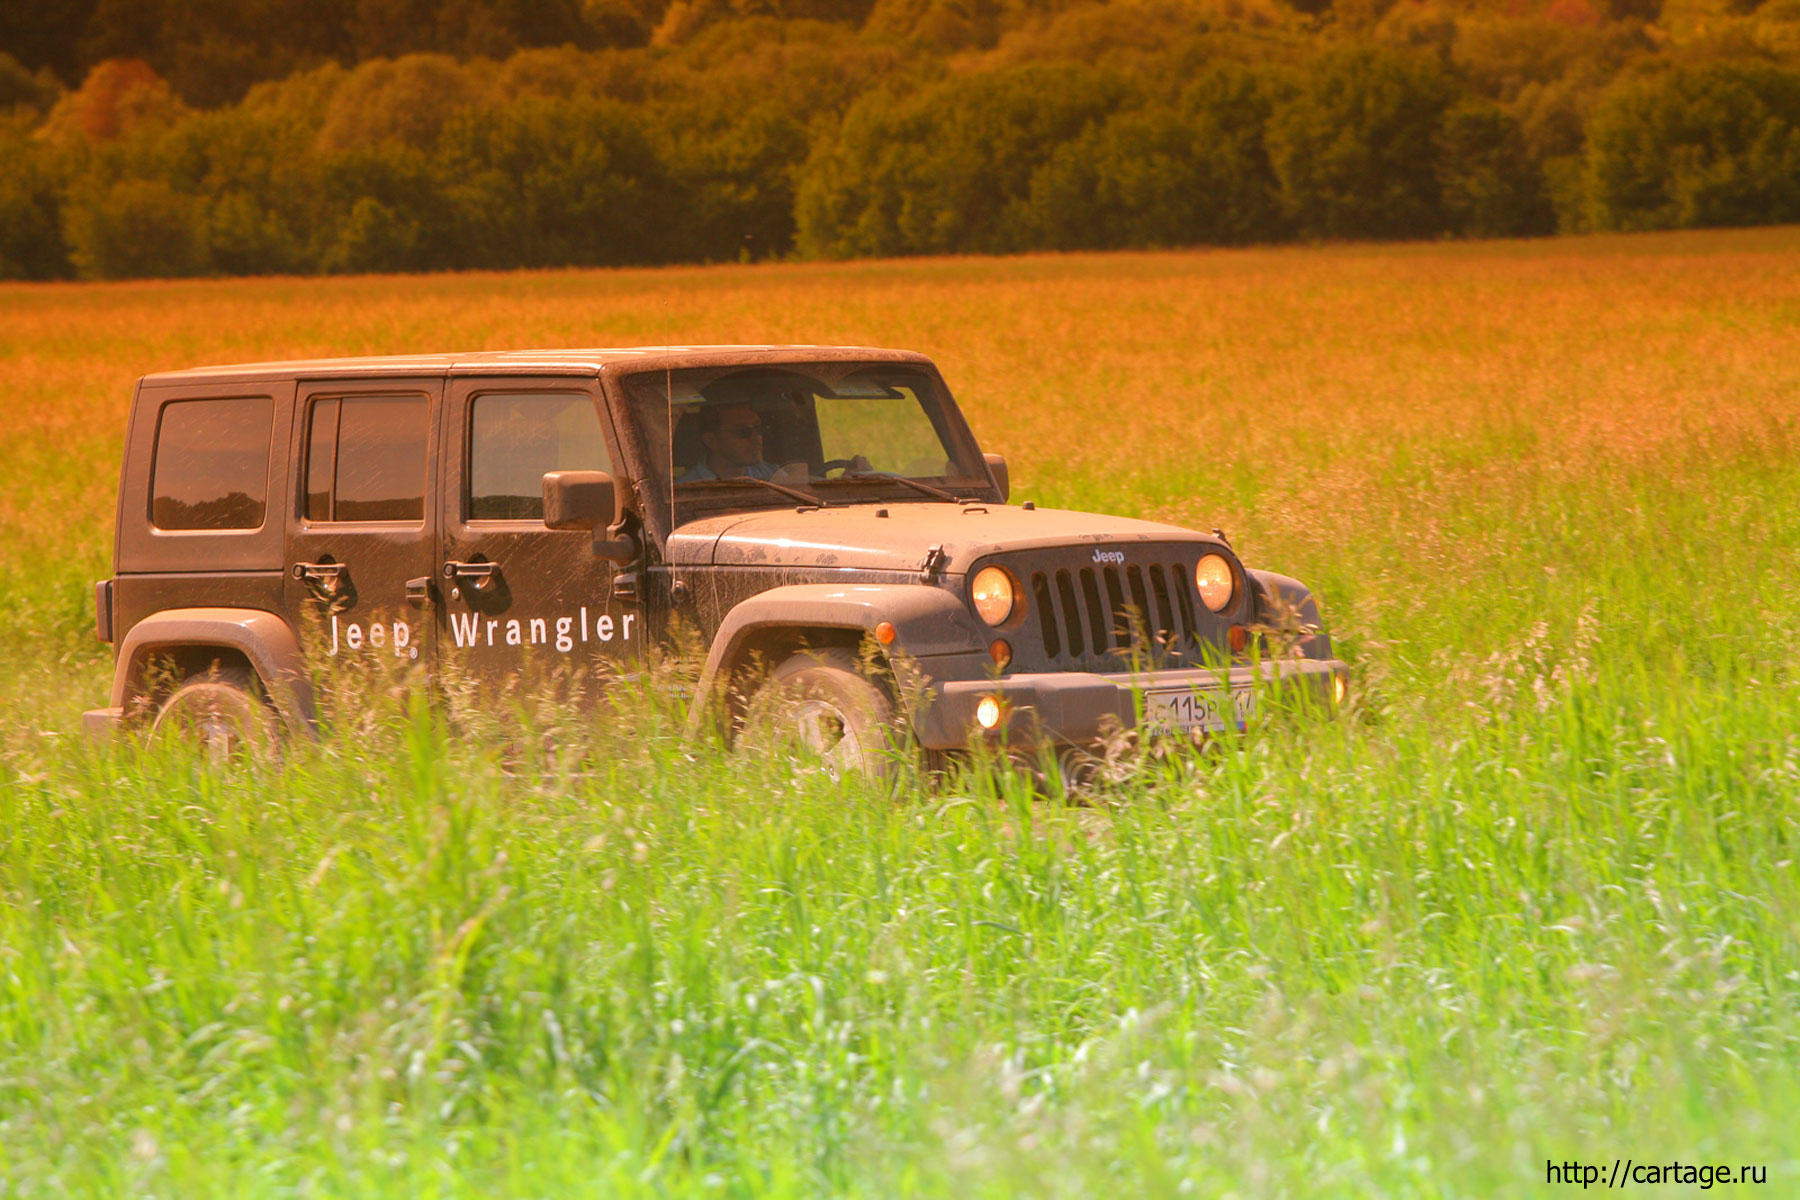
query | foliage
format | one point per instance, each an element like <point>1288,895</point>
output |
<point>132,228</point>
<point>118,97</point>
<point>536,183</point>
<point>1490,186</point>
<point>1356,146</point>
<point>849,128</point>
<point>406,100</point>
<point>734,170</point>
<point>19,88</point>
<point>31,245</point>
<point>381,210</point>
<point>1712,144</point>
<point>948,169</point>
<point>1196,172</point>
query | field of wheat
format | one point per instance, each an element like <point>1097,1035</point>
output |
<point>1534,900</point>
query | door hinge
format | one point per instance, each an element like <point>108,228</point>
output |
<point>625,586</point>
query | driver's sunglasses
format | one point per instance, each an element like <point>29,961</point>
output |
<point>742,431</point>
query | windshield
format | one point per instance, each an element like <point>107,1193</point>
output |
<point>841,432</point>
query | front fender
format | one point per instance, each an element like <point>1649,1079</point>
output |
<point>262,637</point>
<point>1280,595</point>
<point>926,619</point>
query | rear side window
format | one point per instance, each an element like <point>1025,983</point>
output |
<point>516,438</point>
<point>212,464</point>
<point>365,458</point>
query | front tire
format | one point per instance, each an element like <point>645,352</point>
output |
<point>821,708</point>
<point>221,714</point>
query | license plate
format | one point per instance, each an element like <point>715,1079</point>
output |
<point>1190,709</point>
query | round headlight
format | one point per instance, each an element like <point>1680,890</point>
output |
<point>992,593</point>
<point>1214,580</point>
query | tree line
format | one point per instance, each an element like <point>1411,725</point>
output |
<point>905,128</point>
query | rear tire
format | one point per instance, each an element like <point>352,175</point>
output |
<point>819,707</point>
<point>221,714</point>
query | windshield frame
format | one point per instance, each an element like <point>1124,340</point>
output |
<point>656,487</point>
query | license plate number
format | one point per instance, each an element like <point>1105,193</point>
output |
<point>1198,710</point>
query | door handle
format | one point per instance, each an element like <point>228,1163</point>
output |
<point>326,579</point>
<point>480,575</point>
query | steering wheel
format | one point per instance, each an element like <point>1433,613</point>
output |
<point>835,464</point>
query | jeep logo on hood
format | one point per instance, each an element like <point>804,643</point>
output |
<point>1109,556</point>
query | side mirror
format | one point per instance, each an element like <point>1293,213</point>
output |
<point>996,464</point>
<point>588,500</point>
<point>580,500</point>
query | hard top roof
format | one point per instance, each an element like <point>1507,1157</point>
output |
<point>588,361</point>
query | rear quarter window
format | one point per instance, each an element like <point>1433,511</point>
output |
<point>212,464</point>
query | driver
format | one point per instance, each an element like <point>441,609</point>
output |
<point>731,435</point>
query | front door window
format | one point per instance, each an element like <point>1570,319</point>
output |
<point>515,439</point>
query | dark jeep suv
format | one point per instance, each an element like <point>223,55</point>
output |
<point>820,516</point>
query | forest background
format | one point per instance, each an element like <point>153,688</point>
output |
<point>206,137</point>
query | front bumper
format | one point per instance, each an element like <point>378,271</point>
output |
<point>1076,708</point>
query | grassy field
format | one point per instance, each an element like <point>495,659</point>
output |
<point>1536,899</point>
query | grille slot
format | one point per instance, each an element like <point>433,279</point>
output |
<point>1185,599</point>
<point>1115,599</point>
<point>1040,591</point>
<point>1090,591</point>
<point>1071,611</point>
<point>1166,629</point>
<point>1139,617</point>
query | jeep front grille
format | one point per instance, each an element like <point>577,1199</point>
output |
<point>1105,615</point>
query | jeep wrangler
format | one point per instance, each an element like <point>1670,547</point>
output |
<point>822,518</point>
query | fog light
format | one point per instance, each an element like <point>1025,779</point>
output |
<point>884,632</point>
<point>1340,687</point>
<point>1000,650</point>
<point>987,713</point>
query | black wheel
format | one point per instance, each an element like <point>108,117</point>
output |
<point>819,706</point>
<point>221,714</point>
<point>835,464</point>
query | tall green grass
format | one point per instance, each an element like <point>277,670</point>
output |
<point>1413,961</point>
<point>1534,898</point>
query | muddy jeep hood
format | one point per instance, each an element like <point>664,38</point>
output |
<point>853,536</point>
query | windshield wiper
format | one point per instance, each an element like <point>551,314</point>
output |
<point>784,489</point>
<point>929,490</point>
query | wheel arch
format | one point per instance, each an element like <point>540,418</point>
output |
<point>769,627</point>
<point>194,638</point>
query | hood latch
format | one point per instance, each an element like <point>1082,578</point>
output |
<point>935,558</point>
